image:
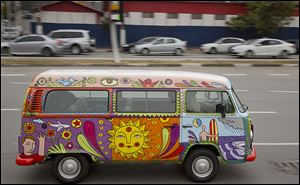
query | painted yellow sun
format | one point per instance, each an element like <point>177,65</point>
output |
<point>129,139</point>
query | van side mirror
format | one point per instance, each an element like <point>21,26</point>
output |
<point>221,108</point>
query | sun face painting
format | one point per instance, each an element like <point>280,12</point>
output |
<point>129,139</point>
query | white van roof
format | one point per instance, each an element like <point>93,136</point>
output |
<point>129,79</point>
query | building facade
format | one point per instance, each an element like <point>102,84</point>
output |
<point>196,22</point>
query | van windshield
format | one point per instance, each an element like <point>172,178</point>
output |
<point>238,102</point>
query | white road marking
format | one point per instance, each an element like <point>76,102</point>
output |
<point>240,90</point>
<point>284,91</point>
<point>235,74</point>
<point>276,144</point>
<point>20,83</point>
<point>10,109</point>
<point>279,74</point>
<point>262,112</point>
<point>13,74</point>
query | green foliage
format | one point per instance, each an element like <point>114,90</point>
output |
<point>265,16</point>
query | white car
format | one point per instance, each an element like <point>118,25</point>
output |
<point>264,47</point>
<point>161,45</point>
<point>222,45</point>
<point>76,41</point>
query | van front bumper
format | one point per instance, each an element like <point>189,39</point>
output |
<point>252,156</point>
<point>28,160</point>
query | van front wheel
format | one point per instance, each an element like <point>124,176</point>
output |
<point>201,165</point>
<point>70,168</point>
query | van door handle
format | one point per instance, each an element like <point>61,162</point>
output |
<point>187,126</point>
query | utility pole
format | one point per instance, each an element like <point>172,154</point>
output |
<point>110,9</point>
<point>114,42</point>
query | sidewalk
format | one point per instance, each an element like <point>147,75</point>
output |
<point>136,62</point>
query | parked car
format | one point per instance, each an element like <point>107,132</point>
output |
<point>296,42</point>
<point>32,45</point>
<point>130,46</point>
<point>10,33</point>
<point>75,41</point>
<point>264,47</point>
<point>222,45</point>
<point>161,45</point>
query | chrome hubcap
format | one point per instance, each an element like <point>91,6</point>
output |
<point>202,166</point>
<point>69,168</point>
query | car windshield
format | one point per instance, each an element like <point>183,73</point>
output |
<point>249,42</point>
<point>238,102</point>
<point>147,40</point>
<point>219,40</point>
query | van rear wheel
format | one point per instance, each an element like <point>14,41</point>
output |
<point>201,165</point>
<point>70,168</point>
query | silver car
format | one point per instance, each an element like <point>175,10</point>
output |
<point>75,41</point>
<point>161,45</point>
<point>31,45</point>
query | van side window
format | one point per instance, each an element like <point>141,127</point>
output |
<point>146,101</point>
<point>207,101</point>
<point>82,101</point>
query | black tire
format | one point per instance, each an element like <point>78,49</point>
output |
<point>5,51</point>
<point>201,157</point>
<point>145,51</point>
<point>213,50</point>
<point>46,52</point>
<point>283,54</point>
<point>75,50</point>
<point>178,52</point>
<point>78,176</point>
<point>249,54</point>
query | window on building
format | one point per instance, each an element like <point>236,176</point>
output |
<point>83,101</point>
<point>147,15</point>
<point>146,101</point>
<point>220,17</point>
<point>172,16</point>
<point>207,101</point>
<point>196,16</point>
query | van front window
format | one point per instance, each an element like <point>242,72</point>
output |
<point>238,102</point>
<point>207,101</point>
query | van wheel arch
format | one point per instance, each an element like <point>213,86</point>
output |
<point>210,147</point>
<point>87,156</point>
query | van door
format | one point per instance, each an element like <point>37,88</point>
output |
<point>202,124</point>
<point>145,125</point>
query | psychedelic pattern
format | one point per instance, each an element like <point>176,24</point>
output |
<point>226,134</point>
<point>104,139</point>
<point>111,81</point>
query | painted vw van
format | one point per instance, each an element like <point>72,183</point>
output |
<point>77,117</point>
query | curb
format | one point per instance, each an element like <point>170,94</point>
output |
<point>26,62</point>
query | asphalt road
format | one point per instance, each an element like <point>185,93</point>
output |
<point>271,93</point>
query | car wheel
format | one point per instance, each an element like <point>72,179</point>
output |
<point>178,51</point>
<point>75,50</point>
<point>132,50</point>
<point>145,51</point>
<point>46,52</point>
<point>249,54</point>
<point>213,51</point>
<point>283,54</point>
<point>70,168</point>
<point>201,165</point>
<point>5,51</point>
